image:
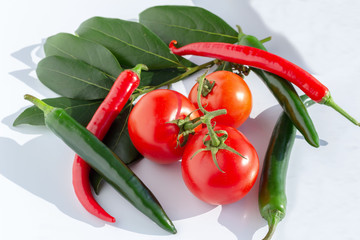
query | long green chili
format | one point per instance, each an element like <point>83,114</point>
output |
<point>104,161</point>
<point>286,95</point>
<point>272,197</point>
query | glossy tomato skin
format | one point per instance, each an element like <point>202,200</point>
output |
<point>149,128</point>
<point>207,182</point>
<point>230,92</point>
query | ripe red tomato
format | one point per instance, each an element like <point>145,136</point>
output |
<point>230,92</point>
<point>207,182</point>
<point>148,126</point>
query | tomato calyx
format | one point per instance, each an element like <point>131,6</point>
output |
<point>209,146</point>
<point>207,87</point>
<point>241,70</point>
<point>186,127</point>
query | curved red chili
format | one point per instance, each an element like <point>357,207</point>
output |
<point>100,123</point>
<point>266,61</point>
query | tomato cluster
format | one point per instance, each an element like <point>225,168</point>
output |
<point>219,177</point>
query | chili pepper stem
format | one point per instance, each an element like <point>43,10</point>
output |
<point>328,101</point>
<point>40,104</point>
<point>272,222</point>
<point>266,39</point>
<point>137,69</point>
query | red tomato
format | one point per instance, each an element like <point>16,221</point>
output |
<point>148,126</point>
<point>207,182</point>
<point>230,92</point>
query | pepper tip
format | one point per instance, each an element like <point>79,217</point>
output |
<point>172,44</point>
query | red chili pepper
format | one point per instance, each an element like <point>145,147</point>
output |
<point>266,61</point>
<point>100,123</point>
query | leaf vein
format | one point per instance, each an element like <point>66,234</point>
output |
<point>82,105</point>
<point>76,58</point>
<point>136,47</point>
<point>195,30</point>
<point>77,78</point>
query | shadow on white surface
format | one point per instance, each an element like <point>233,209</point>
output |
<point>30,56</point>
<point>242,13</point>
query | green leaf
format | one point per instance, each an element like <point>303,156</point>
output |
<point>94,54</point>
<point>119,141</point>
<point>80,110</point>
<point>187,24</point>
<point>156,77</point>
<point>130,42</point>
<point>73,78</point>
<point>96,181</point>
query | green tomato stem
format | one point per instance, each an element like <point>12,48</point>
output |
<point>215,141</point>
<point>200,87</point>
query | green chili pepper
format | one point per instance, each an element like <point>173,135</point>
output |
<point>104,161</point>
<point>272,197</point>
<point>286,95</point>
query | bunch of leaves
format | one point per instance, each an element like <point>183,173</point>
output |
<point>82,67</point>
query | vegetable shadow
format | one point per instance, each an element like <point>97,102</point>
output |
<point>242,13</point>
<point>243,218</point>
<point>38,168</point>
<point>30,56</point>
<point>43,165</point>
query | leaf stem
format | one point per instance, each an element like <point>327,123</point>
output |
<point>188,72</point>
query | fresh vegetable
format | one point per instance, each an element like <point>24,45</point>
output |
<point>264,60</point>
<point>151,127</point>
<point>272,195</point>
<point>225,90</point>
<point>203,177</point>
<point>285,94</point>
<point>219,164</point>
<point>104,161</point>
<point>217,159</point>
<point>99,125</point>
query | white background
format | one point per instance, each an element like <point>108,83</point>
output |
<point>37,200</point>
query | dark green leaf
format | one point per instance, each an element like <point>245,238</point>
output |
<point>73,78</point>
<point>94,54</point>
<point>81,110</point>
<point>119,141</point>
<point>130,42</point>
<point>187,24</point>
<point>156,77</point>
<point>96,181</point>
